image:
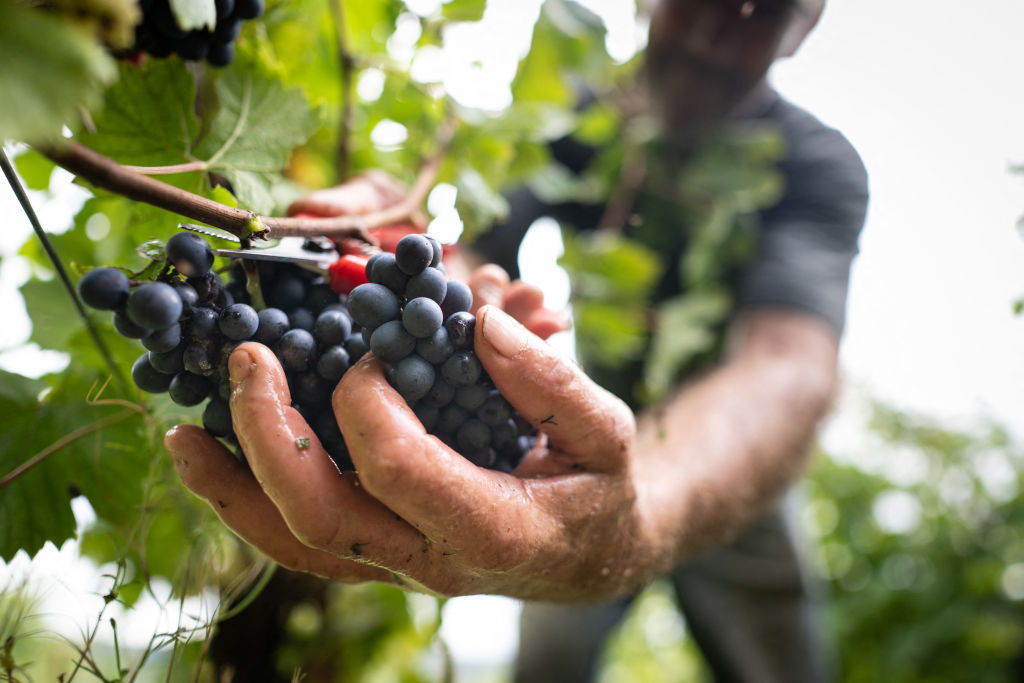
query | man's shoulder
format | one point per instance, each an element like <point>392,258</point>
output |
<point>815,150</point>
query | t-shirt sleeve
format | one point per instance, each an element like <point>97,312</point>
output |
<point>809,239</point>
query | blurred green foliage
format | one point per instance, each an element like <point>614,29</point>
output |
<point>915,533</point>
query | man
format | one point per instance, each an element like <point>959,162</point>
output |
<point>747,603</point>
<point>610,500</point>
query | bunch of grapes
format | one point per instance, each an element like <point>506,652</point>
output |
<point>418,323</point>
<point>189,320</point>
<point>160,35</point>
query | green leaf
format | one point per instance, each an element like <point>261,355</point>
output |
<point>258,123</point>
<point>96,450</point>
<point>684,328</point>
<point>567,49</point>
<point>35,169</point>
<point>51,70</point>
<point>477,204</point>
<point>148,117</point>
<point>194,14</point>
<point>463,10</point>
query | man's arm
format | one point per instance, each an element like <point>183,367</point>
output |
<point>721,450</point>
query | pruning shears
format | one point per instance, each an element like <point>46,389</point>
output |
<point>343,261</point>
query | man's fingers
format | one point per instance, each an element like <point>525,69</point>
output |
<point>210,472</point>
<point>419,477</point>
<point>323,508</point>
<point>582,420</point>
<point>525,303</point>
<point>488,284</point>
<point>366,193</point>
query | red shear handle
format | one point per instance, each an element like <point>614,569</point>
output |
<point>348,272</point>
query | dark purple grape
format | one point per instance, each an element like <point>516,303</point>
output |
<point>287,292</point>
<point>473,396</point>
<point>461,327</point>
<point>436,348</point>
<point>154,305</point>
<point>126,328</point>
<point>310,388</point>
<point>435,261</point>
<point>413,253</point>
<point>302,319</point>
<point>163,340</point>
<point>356,346</point>
<point>495,410</point>
<point>105,289</point>
<point>297,350</point>
<point>391,342</point>
<point>224,8</point>
<point>170,362</point>
<point>162,19</point>
<point>441,393</point>
<point>194,46</point>
<point>318,297</point>
<point>248,9</point>
<point>227,31</point>
<point>458,297</point>
<point>189,253</point>
<point>200,358</point>
<point>431,283</point>
<point>148,378</point>
<point>332,327</point>
<point>217,417</point>
<point>333,363</point>
<point>372,305</point>
<point>503,435</point>
<point>473,435</point>
<point>450,419</point>
<point>208,287</point>
<point>461,369</point>
<point>422,317</point>
<point>204,323</point>
<point>188,296</point>
<point>239,322</point>
<point>413,378</point>
<point>387,273</point>
<point>272,324</point>
<point>187,389</point>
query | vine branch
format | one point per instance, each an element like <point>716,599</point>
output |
<point>107,174</point>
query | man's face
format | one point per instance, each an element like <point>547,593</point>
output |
<point>704,56</point>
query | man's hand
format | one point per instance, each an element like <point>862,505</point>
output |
<point>566,525</point>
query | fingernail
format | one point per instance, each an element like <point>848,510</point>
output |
<point>507,336</point>
<point>240,367</point>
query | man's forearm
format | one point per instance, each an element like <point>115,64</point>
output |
<point>724,447</point>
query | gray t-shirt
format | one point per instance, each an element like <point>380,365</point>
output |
<point>806,241</point>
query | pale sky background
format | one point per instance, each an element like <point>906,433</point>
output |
<point>929,91</point>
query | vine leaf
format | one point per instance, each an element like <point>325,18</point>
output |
<point>258,123</point>
<point>463,10</point>
<point>147,118</point>
<point>107,463</point>
<point>684,329</point>
<point>50,70</point>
